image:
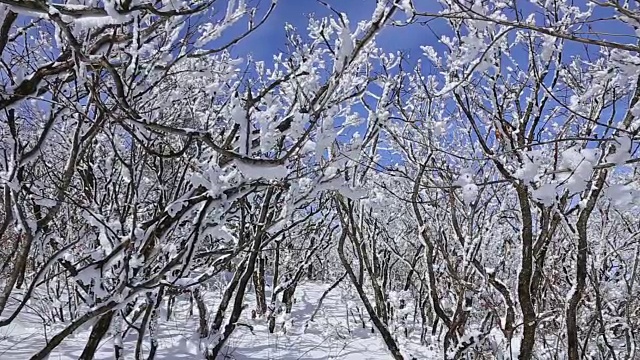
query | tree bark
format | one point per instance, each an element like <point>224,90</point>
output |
<point>259,286</point>
<point>524,276</point>
<point>382,328</point>
<point>98,332</point>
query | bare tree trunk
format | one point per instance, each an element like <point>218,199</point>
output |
<point>148,321</point>
<point>17,272</point>
<point>202,313</point>
<point>238,301</point>
<point>274,284</point>
<point>98,332</point>
<point>310,267</point>
<point>287,298</point>
<point>524,277</point>
<point>244,280</point>
<point>382,328</point>
<point>226,298</point>
<point>581,268</point>
<point>259,286</point>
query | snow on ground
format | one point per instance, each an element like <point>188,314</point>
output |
<point>330,336</point>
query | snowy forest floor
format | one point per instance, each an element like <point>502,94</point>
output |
<point>332,335</point>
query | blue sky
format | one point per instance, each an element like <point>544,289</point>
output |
<point>270,39</point>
